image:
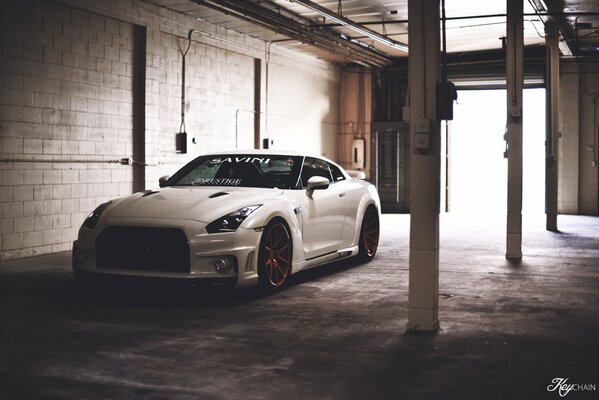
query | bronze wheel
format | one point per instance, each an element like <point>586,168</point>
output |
<point>275,255</point>
<point>369,234</point>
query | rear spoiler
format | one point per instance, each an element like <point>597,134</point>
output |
<point>357,175</point>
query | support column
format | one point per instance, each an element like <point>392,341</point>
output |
<point>139,108</point>
<point>515,81</point>
<point>425,134</point>
<point>552,126</point>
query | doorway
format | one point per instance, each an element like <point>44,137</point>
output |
<point>477,167</point>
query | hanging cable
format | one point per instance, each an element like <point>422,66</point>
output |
<point>266,64</point>
<point>182,127</point>
<point>596,133</point>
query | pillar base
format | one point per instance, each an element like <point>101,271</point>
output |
<point>422,328</point>
<point>514,247</point>
<point>422,320</point>
<point>551,224</point>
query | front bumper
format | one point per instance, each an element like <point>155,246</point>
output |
<point>238,251</point>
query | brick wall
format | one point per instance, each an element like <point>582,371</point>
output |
<point>218,83</point>
<point>578,177</point>
<point>568,165</point>
<point>65,109</point>
<point>66,75</point>
<point>589,105</point>
<point>302,97</point>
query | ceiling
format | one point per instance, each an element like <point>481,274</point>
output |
<point>322,27</point>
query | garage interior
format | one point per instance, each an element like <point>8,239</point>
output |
<point>100,99</point>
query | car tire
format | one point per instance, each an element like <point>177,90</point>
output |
<point>369,234</point>
<point>275,255</point>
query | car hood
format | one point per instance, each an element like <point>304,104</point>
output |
<point>204,204</point>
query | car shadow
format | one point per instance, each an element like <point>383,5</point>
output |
<point>323,271</point>
<point>64,289</point>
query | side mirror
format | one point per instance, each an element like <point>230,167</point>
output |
<point>162,180</point>
<point>316,182</point>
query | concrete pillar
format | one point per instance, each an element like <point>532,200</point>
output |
<point>139,108</point>
<point>425,134</point>
<point>515,81</point>
<point>552,126</point>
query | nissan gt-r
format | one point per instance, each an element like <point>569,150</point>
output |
<point>237,218</point>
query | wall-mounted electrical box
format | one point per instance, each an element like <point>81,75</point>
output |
<point>181,142</point>
<point>446,95</point>
<point>358,154</point>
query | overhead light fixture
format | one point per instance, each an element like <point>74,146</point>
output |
<point>564,48</point>
<point>540,5</point>
<point>325,12</point>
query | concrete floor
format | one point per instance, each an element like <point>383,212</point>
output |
<point>335,333</point>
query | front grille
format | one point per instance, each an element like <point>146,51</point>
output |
<point>143,249</point>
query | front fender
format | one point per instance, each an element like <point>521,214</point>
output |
<point>284,209</point>
<point>370,197</point>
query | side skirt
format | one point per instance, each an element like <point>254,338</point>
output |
<point>325,258</point>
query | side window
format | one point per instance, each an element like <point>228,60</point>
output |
<point>314,167</point>
<point>337,174</point>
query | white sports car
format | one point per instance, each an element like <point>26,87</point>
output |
<point>236,218</point>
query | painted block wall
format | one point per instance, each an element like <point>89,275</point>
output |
<point>66,70</point>
<point>303,114</point>
<point>569,139</point>
<point>578,176</point>
<point>65,111</point>
<point>302,98</point>
<point>589,104</point>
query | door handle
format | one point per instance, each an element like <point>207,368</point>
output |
<point>341,194</point>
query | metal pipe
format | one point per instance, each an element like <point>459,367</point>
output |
<point>266,79</point>
<point>294,28</point>
<point>325,12</point>
<point>596,128</point>
<point>466,17</point>
<point>257,90</point>
<point>444,42</point>
<point>397,169</point>
<point>122,161</point>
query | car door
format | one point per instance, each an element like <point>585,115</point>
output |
<point>323,214</point>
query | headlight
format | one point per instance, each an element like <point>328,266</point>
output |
<point>92,219</point>
<point>230,222</point>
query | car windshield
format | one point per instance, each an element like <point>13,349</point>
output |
<point>244,170</point>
